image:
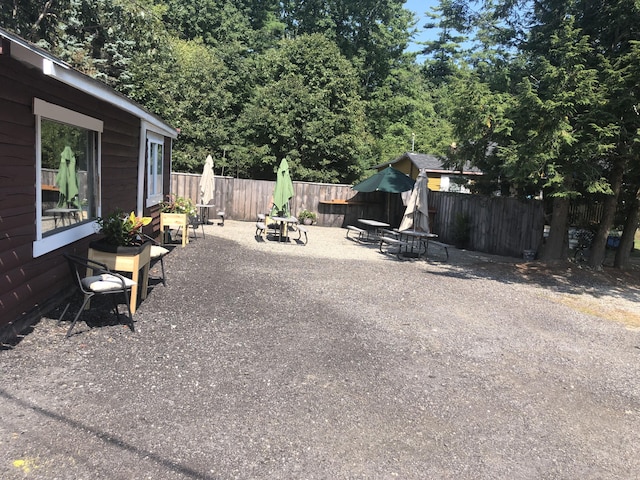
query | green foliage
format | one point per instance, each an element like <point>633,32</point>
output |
<point>308,110</point>
<point>177,204</point>
<point>121,229</point>
<point>304,214</point>
<point>372,34</point>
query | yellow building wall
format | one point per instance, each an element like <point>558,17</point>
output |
<point>434,183</point>
<point>406,166</point>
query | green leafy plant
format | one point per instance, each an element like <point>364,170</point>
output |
<point>304,214</point>
<point>121,229</point>
<point>176,204</point>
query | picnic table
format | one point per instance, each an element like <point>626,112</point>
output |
<point>373,228</point>
<point>284,223</point>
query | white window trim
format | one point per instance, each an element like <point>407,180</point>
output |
<point>148,132</point>
<point>43,245</point>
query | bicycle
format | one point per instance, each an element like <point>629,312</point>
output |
<point>581,253</point>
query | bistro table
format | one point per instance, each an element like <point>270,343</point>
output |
<point>414,237</point>
<point>373,232</point>
<point>284,224</point>
<point>204,211</point>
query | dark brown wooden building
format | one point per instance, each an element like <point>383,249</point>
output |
<point>71,149</point>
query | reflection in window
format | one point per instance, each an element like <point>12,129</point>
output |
<point>68,175</point>
<point>154,168</point>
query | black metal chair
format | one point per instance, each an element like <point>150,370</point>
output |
<point>194,222</point>
<point>157,253</point>
<point>102,282</point>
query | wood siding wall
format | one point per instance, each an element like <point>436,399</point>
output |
<point>27,283</point>
<point>498,225</point>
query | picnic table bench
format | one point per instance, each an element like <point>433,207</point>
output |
<point>389,241</point>
<point>359,231</point>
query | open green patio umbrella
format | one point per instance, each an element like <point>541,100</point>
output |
<point>67,180</point>
<point>388,180</point>
<point>283,191</point>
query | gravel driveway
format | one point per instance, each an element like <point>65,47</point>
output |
<point>333,361</point>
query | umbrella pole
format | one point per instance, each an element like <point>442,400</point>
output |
<point>388,208</point>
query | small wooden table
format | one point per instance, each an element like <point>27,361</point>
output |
<point>127,263</point>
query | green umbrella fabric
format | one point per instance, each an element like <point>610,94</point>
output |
<point>283,191</point>
<point>388,180</point>
<point>67,180</point>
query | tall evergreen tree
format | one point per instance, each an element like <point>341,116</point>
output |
<point>307,109</point>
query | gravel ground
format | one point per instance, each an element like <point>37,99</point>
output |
<point>331,360</point>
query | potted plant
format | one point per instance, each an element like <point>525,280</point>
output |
<point>176,211</point>
<point>122,232</point>
<point>307,217</point>
<point>124,249</point>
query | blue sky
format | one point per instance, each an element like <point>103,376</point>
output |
<point>419,7</point>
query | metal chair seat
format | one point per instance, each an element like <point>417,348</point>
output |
<point>102,282</point>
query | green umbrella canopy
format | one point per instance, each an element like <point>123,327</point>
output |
<point>283,192</point>
<point>388,180</point>
<point>67,180</point>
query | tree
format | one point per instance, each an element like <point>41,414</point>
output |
<point>402,115</point>
<point>307,109</point>
<point>200,102</point>
<point>372,34</point>
<point>561,133</point>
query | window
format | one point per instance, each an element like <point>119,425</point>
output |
<point>155,161</point>
<point>67,175</point>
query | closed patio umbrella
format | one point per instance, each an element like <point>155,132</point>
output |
<point>416,215</point>
<point>207,182</point>
<point>283,191</point>
<point>67,180</point>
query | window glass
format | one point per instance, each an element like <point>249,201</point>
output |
<point>68,159</point>
<point>155,149</point>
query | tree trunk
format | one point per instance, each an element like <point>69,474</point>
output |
<point>599,244</point>
<point>557,244</point>
<point>628,234</point>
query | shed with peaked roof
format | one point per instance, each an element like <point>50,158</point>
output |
<point>117,155</point>
<point>440,178</point>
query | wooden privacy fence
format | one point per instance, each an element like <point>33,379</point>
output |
<point>497,225</point>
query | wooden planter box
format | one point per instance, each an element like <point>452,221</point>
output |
<point>177,220</point>
<point>126,259</point>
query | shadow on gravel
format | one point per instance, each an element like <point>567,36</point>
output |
<point>100,314</point>
<point>104,437</point>
<point>564,277</point>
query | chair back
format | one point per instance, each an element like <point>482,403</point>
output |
<point>79,265</point>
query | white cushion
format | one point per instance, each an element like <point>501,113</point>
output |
<point>157,251</point>
<point>106,282</point>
